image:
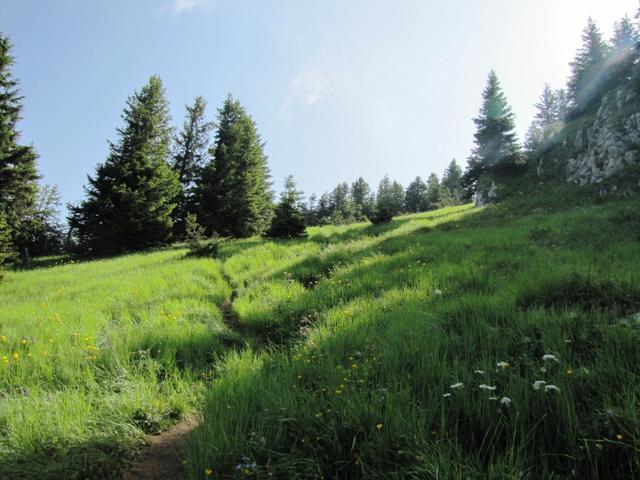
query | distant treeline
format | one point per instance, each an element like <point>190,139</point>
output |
<point>156,180</point>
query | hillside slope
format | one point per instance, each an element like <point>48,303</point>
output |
<point>407,350</point>
<point>453,344</point>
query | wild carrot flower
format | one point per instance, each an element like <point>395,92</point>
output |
<point>503,365</point>
<point>548,388</point>
<point>538,383</point>
<point>505,401</point>
<point>456,386</point>
<point>487,388</point>
<point>479,372</point>
<point>548,357</point>
<point>446,395</point>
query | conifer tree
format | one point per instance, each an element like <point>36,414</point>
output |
<point>361,197</point>
<point>587,69</point>
<point>547,120</point>
<point>436,195</point>
<point>189,157</point>
<point>132,195</point>
<point>18,173</point>
<point>414,195</point>
<point>390,196</point>
<point>496,146</point>
<point>624,50</point>
<point>234,198</point>
<point>452,181</point>
<point>288,220</point>
<point>6,249</point>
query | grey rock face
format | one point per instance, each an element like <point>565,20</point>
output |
<point>610,143</point>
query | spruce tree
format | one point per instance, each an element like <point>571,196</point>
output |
<point>361,196</point>
<point>547,120</point>
<point>6,249</point>
<point>233,196</point>
<point>413,196</point>
<point>189,157</point>
<point>624,50</point>
<point>587,69</point>
<point>390,197</point>
<point>288,220</point>
<point>495,139</point>
<point>18,173</point>
<point>496,146</point>
<point>436,195</point>
<point>452,181</point>
<point>133,193</point>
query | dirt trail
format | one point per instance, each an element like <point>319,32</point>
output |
<point>162,458</point>
<point>229,316</point>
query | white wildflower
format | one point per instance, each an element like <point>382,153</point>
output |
<point>502,364</point>
<point>505,401</point>
<point>548,388</point>
<point>437,291</point>
<point>487,387</point>
<point>548,357</point>
<point>493,398</point>
<point>538,383</point>
<point>456,386</point>
<point>446,395</point>
<point>543,369</point>
<point>479,372</point>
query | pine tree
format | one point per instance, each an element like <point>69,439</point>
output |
<point>233,194</point>
<point>414,194</point>
<point>587,69</point>
<point>18,173</point>
<point>132,195</point>
<point>361,196</point>
<point>288,220</point>
<point>452,181</point>
<point>189,157</point>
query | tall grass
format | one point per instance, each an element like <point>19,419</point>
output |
<point>94,355</point>
<point>413,351</point>
<point>461,343</point>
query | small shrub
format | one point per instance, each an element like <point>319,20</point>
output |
<point>381,215</point>
<point>205,248</point>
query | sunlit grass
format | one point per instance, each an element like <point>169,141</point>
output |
<point>460,343</point>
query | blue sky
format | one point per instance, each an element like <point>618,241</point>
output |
<point>338,88</point>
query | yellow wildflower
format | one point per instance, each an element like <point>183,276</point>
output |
<point>379,426</point>
<point>619,437</point>
<point>208,472</point>
<point>16,356</point>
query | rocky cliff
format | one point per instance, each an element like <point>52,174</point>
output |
<point>609,142</point>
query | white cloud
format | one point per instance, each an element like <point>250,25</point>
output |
<point>308,87</point>
<point>186,6</point>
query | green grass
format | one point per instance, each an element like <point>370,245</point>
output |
<point>347,346</point>
<point>96,354</point>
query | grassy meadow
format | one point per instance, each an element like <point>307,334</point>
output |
<point>459,343</point>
